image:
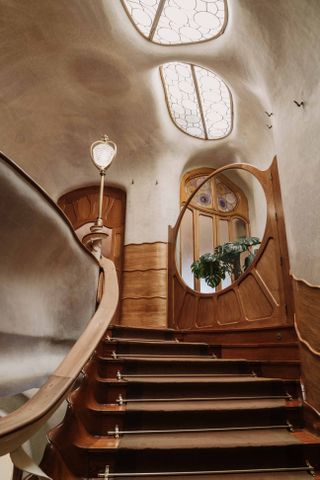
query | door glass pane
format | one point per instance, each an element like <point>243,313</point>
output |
<point>239,228</point>
<point>187,248</point>
<point>205,245</point>
<point>224,238</point>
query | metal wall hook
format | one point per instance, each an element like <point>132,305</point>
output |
<point>301,104</point>
<point>269,114</point>
<point>269,126</point>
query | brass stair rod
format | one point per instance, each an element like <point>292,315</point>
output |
<point>116,433</point>
<point>121,375</point>
<point>120,400</point>
<point>160,355</point>
<point>307,468</point>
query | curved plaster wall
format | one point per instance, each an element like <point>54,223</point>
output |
<point>48,283</point>
<point>72,70</point>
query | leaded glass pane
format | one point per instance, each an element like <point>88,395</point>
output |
<point>189,21</point>
<point>203,197</point>
<point>226,199</point>
<point>216,103</point>
<point>143,13</point>
<point>182,98</point>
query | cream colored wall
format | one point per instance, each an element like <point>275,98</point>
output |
<point>6,467</point>
<point>72,70</point>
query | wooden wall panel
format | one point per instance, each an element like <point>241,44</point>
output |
<point>228,308</point>
<point>307,324</point>
<point>179,294</point>
<point>206,312</point>
<point>150,283</point>
<point>146,256</point>
<point>188,311</point>
<point>267,268</point>
<point>144,312</point>
<point>144,291</point>
<point>255,303</point>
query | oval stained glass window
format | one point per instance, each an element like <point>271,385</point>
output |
<point>198,100</point>
<point>176,22</point>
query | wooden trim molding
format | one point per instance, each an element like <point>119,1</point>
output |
<point>17,427</point>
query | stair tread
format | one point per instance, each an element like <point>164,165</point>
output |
<point>192,405</point>
<point>193,441</point>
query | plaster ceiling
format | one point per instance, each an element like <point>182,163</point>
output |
<point>72,70</point>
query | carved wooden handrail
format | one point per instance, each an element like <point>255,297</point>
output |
<point>20,425</point>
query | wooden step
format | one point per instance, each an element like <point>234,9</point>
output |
<point>108,390</point>
<point>141,333</point>
<point>126,365</point>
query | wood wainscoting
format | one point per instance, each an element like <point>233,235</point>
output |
<point>261,297</point>
<point>307,324</point>
<point>144,288</point>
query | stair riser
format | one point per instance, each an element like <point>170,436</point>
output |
<point>107,348</point>
<point>262,353</point>
<point>199,459</point>
<point>109,369</point>
<point>150,334</point>
<point>108,392</point>
<point>100,423</point>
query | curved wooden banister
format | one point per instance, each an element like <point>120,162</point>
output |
<point>20,425</point>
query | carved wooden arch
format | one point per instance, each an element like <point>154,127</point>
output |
<point>261,297</point>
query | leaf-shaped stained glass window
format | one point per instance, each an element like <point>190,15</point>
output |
<point>175,22</point>
<point>198,100</point>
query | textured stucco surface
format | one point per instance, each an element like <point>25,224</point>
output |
<point>48,284</point>
<point>72,70</point>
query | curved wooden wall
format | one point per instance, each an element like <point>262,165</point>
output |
<point>307,325</point>
<point>260,297</point>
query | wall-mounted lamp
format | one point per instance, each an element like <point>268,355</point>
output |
<point>102,153</point>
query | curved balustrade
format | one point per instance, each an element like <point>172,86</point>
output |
<point>49,285</point>
<point>259,297</point>
<point>17,427</point>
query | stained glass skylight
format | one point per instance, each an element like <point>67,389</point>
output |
<point>198,100</point>
<point>174,22</point>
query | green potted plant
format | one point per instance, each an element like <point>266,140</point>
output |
<point>225,259</point>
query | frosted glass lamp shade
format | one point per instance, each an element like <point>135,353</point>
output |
<point>103,152</point>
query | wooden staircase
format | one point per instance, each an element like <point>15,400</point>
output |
<point>148,406</point>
